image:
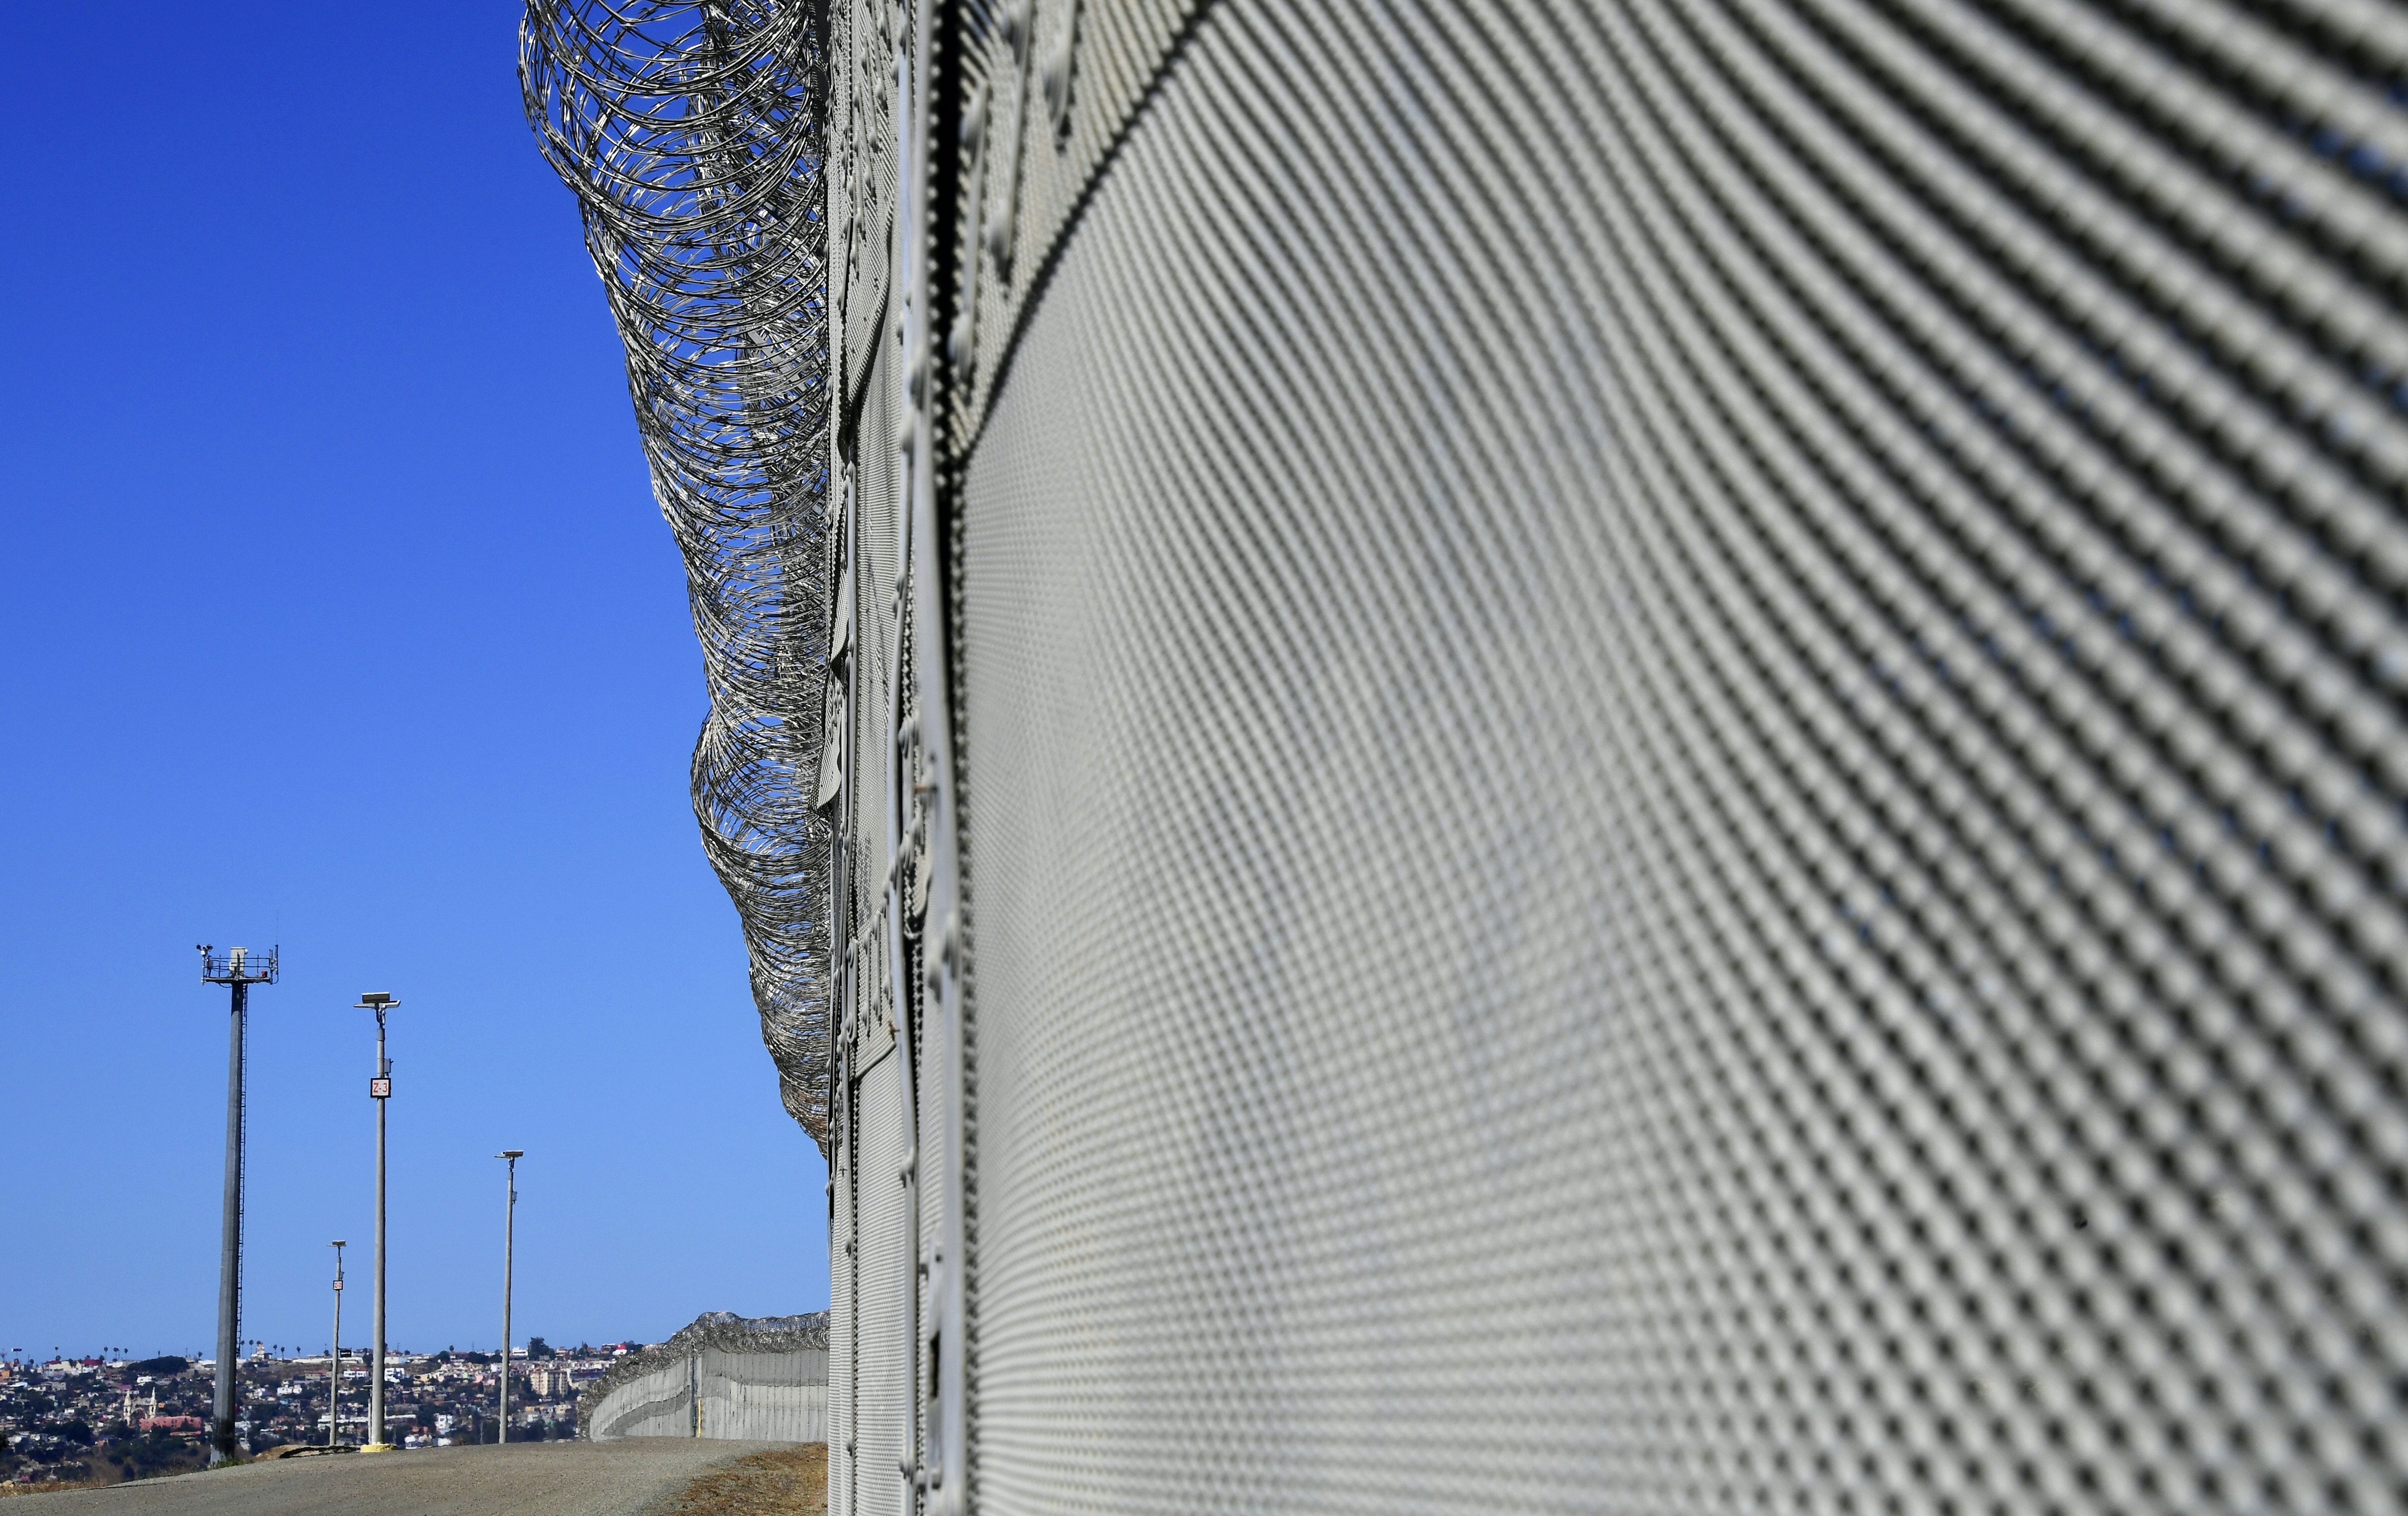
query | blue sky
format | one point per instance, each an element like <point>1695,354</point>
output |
<point>338,613</point>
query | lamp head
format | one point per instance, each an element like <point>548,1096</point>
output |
<point>514,1152</point>
<point>376,1000</point>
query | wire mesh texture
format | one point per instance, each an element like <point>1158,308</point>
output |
<point>693,138</point>
<point>1680,741</point>
<point>1677,738</point>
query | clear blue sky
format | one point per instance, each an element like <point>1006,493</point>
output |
<point>338,612</point>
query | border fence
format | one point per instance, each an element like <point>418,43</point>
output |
<point>759,1378</point>
<point>1553,757</point>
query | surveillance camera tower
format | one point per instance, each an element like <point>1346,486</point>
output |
<point>238,969</point>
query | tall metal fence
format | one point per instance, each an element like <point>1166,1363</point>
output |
<point>1638,757</point>
<point>763,1379</point>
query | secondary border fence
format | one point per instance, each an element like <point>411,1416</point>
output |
<point>1575,756</point>
<point>759,1379</point>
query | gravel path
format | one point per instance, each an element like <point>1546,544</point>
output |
<point>630,1478</point>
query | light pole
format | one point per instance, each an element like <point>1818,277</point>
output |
<point>238,970</point>
<point>335,1358</point>
<point>380,1091</point>
<point>510,1235</point>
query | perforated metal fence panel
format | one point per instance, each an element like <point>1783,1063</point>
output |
<point>658,1403</point>
<point>843,1308</point>
<point>882,1361</point>
<point>762,1398</point>
<point>1637,757</point>
<point>1682,775</point>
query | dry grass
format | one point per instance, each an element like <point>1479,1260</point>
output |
<point>790,1482</point>
<point>101,1473</point>
<point>10,1491</point>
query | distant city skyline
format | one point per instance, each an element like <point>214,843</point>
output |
<point>68,1422</point>
<point>341,618</point>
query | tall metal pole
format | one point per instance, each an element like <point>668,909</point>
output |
<point>381,1090</point>
<point>510,1239</point>
<point>335,1358</point>
<point>225,1405</point>
<point>376,1370</point>
<point>238,970</point>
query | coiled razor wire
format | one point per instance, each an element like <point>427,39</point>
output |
<point>693,136</point>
